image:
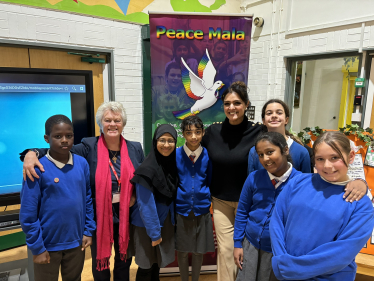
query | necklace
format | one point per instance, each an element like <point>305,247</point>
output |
<point>114,158</point>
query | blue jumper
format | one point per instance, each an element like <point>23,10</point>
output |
<point>149,213</point>
<point>256,204</point>
<point>299,154</point>
<point>315,233</point>
<point>194,179</point>
<point>56,209</point>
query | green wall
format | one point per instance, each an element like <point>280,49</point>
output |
<point>108,12</point>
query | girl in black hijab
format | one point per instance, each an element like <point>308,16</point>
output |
<point>152,216</point>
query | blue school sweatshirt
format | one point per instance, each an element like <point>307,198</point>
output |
<point>256,204</point>
<point>299,154</point>
<point>194,179</point>
<point>56,209</point>
<point>149,213</point>
<point>315,233</point>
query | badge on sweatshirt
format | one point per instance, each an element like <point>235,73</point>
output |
<point>56,180</point>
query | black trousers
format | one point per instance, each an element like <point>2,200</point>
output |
<point>150,274</point>
<point>121,270</point>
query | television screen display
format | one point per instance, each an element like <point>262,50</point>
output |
<point>28,97</point>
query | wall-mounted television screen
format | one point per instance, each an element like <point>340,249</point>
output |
<point>28,97</point>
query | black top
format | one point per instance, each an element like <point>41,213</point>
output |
<point>228,147</point>
<point>117,168</point>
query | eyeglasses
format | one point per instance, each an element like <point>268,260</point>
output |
<point>163,141</point>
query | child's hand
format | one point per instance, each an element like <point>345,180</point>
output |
<point>29,163</point>
<point>238,257</point>
<point>132,199</point>
<point>355,190</point>
<point>86,241</point>
<point>42,258</point>
<point>155,243</point>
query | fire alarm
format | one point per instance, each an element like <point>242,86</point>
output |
<point>357,100</point>
<point>258,22</point>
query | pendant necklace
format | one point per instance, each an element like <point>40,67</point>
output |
<point>114,158</point>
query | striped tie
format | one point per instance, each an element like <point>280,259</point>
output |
<point>274,181</point>
<point>192,158</point>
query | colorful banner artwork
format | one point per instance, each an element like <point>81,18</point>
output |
<point>194,58</point>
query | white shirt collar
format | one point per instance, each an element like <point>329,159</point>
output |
<point>283,177</point>
<point>289,142</point>
<point>197,152</point>
<point>58,163</point>
<point>337,183</point>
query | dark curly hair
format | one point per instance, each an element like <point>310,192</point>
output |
<point>54,120</point>
<point>190,121</point>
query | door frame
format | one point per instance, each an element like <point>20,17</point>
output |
<point>291,71</point>
<point>368,92</point>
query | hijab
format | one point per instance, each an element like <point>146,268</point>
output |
<point>159,173</point>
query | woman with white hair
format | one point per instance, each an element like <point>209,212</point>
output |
<point>112,160</point>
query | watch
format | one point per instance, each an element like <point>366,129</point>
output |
<point>36,151</point>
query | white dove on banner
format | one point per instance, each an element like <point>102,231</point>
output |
<point>203,89</point>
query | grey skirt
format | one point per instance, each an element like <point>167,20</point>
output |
<point>140,246</point>
<point>194,233</point>
<point>256,264</point>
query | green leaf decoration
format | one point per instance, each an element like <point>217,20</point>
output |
<point>365,135</point>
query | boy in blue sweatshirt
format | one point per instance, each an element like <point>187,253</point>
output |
<point>194,222</point>
<point>56,209</point>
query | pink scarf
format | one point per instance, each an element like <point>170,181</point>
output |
<point>104,215</point>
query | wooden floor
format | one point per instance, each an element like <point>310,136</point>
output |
<point>21,253</point>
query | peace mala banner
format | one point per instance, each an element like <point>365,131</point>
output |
<point>194,58</point>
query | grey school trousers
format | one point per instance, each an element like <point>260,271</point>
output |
<point>71,262</point>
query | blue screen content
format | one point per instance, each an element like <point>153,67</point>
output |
<point>23,116</point>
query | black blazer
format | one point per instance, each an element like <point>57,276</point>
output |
<point>88,150</point>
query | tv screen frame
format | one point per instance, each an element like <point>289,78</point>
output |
<point>14,198</point>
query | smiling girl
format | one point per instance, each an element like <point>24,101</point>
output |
<point>252,252</point>
<point>315,234</point>
<point>275,116</point>
<point>152,216</point>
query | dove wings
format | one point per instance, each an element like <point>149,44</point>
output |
<point>196,86</point>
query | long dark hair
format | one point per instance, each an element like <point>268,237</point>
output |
<point>286,112</point>
<point>276,139</point>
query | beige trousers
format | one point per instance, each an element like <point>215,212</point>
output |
<point>224,219</point>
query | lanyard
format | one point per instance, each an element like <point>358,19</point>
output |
<point>115,174</point>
